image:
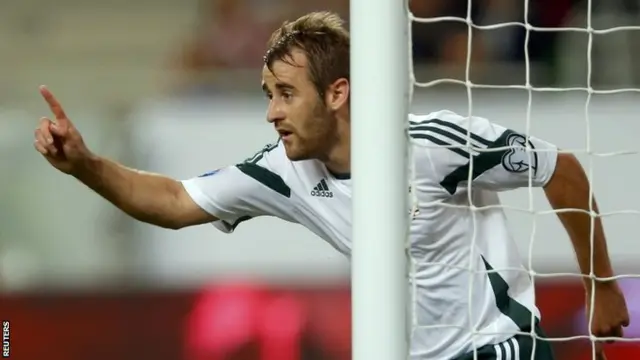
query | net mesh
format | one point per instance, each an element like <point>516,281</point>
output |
<point>530,90</point>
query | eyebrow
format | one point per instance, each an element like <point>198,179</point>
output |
<point>284,86</point>
<point>279,85</point>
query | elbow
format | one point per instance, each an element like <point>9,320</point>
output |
<point>179,224</point>
<point>175,210</point>
<point>177,220</point>
<point>175,214</point>
<point>172,226</point>
<point>161,222</point>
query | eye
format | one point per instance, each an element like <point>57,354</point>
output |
<point>268,95</point>
<point>287,95</point>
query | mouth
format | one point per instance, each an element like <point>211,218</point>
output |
<point>284,134</point>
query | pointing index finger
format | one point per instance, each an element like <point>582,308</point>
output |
<point>54,105</point>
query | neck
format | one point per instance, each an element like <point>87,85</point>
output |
<point>338,157</point>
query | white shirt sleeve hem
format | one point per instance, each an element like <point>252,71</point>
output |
<point>201,200</point>
<point>552,161</point>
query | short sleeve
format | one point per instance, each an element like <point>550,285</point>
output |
<point>494,157</point>
<point>252,188</point>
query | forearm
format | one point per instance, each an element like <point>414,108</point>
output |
<point>569,189</point>
<point>147,197</point>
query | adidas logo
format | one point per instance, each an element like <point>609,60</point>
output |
<point>322,190</point>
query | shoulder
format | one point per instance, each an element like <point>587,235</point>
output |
<point>453,132</point>
<point>271,155</point>
<point>442,141</point>
<point>269,166</point>
<point>438,128</point>
<point>441,132</point>
<point>443,115</point>
<point>272,167</point>
<point>449,124</point>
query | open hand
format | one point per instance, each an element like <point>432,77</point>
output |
<point>59,141</point>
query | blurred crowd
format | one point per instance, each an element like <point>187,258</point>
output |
<point>232,33</point>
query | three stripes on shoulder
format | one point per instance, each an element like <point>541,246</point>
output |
<point>449,135</point>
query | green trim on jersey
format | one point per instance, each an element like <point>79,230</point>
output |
<point>442,143</point>
<point>237,222</point>
<point>423,130</point>
<point>481,163</point>
<point>260,154</point>
<point>512,309</point>
<point>524,347</point>
<point>266,177</point>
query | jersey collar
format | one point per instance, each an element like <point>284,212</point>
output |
<point>340,176</point>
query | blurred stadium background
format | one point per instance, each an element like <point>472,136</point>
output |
<point>173,86</point>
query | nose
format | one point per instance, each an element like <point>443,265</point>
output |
<point>274,112</point>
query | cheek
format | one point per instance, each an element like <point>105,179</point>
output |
<point>309,122</point>
<point>302,122</point>
<point>314,129</point>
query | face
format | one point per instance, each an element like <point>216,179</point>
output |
<point>305,122</point>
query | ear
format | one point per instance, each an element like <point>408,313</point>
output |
<point>337,95</point>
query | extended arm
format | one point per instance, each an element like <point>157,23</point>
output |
<point>224,197</point>
<point>151,198</point>
<point>569,189</point>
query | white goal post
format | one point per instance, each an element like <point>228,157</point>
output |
<point>379,106</point>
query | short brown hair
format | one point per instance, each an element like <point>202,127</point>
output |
<point>323,38</point>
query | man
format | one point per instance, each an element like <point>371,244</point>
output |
<point>304,178</point>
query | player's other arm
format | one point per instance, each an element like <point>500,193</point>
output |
<point>569,189</point>
<point>506,159</point>
<point>150,198</point>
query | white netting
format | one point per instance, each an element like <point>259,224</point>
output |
<point>587,151</point>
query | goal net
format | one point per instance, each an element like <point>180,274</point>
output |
<point>574,83</point>
<point>580,94</point>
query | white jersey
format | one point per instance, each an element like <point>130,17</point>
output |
<point>448,301</point>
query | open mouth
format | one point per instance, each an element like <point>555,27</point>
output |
<point>284,134</point>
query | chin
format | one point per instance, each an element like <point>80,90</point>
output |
<point>295,154</point>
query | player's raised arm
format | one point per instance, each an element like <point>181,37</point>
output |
<point>147,197</point>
